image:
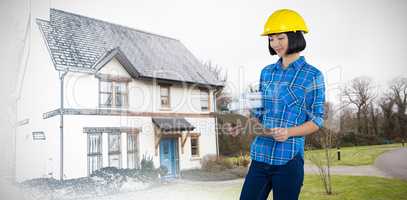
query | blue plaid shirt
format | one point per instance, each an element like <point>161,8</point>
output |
<point>291,97</point>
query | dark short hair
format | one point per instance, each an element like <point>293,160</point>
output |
<point>296,42</point>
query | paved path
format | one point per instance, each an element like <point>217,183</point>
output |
<point>9,191</point>
<point>393,163</point>
<point>363,170</point>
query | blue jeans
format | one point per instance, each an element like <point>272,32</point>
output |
<point>284,180</point>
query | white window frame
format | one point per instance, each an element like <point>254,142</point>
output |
<point>114,153</point>
<point>97,151</point>
<point>133,151</point>
<point>165,106</point>
<point>114,93</point>
<point>196,146</point>
<point>204,101</point>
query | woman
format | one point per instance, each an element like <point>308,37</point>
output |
<point>293,106</point>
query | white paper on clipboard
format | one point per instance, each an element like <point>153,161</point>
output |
<point>247,101</point>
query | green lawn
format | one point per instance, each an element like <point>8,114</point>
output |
<point>353,156</point>
<point>344,188</point>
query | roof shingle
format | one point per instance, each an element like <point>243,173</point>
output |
<point>77,43</point>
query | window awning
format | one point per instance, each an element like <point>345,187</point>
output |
<point>172,124</point>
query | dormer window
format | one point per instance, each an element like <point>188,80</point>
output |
<point>113,93</point>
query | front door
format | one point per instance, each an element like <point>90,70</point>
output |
<point>169,155</point>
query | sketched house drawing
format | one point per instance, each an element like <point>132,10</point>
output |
<point>115,94</point>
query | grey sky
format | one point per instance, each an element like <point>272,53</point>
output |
<point>353,37</point>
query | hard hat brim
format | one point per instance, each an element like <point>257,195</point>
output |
<point>275,32</point>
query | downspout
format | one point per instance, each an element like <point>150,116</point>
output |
<point>61,124</point>
<point>216,120</point>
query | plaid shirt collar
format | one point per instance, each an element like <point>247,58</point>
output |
<point>294,65</point>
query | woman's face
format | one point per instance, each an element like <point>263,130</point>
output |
<point>279,43</point>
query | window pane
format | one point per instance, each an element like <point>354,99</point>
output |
<point>94,152</point>
<point>119,100</point>
<point>194,142</point>
<point>114,160</point>
<point>204,94</point>
<point>194,146</point>
<point>131,160</point>
<point>164,96</point>
<point>95,144</point>
<point>120,94</point>
<point>204,100</point>
<point>114,142</point>
<point>105,86</point>
<point>121,87</point>
<point>94,163</point>
<point>204,104</point>
<point>132,142</point>
<point>164,91</point>
<point>106,99</point>
<point>164,101</point>
<point>132,153</point>
<point>194,151</point>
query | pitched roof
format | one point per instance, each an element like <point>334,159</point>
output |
<point>172,123</point>
<point>80,43</point>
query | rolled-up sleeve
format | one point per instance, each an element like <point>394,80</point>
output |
<point>315,100</point>
<point>259,112</point>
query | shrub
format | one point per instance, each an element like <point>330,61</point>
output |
<point>162,170</point>
<point>243,161</point>
<point>112,176</point>
<point>228,163</point>
<point>130,172</point>
<point>147,168</point>
<point>147,163</point>
<point>212,163</point>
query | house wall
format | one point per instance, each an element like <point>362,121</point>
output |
<point>207,143</point>
<point>75,140</point>
<point>82,91</point>
<point>39,93</point>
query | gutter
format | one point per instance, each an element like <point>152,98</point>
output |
<point>218,89</point>
<point>62,75</point>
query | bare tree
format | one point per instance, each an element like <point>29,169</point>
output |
<point>386,104</point>
<point>398,88</point>
<point>360,93</point>
<point>327,138</point>
<point>216,71</point>
<point>374,118</point>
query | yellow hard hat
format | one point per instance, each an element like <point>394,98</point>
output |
<point>284,20</point>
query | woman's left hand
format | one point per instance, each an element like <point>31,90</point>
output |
<point>280,134</point>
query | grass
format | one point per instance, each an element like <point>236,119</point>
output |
<point>354,156</point>
<point>355,187</point>
<point>344,188</point>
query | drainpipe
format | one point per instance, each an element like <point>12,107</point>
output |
<point>61,124</point>
<point>216,120</point>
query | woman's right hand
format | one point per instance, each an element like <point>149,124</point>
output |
<point>258,129</point>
